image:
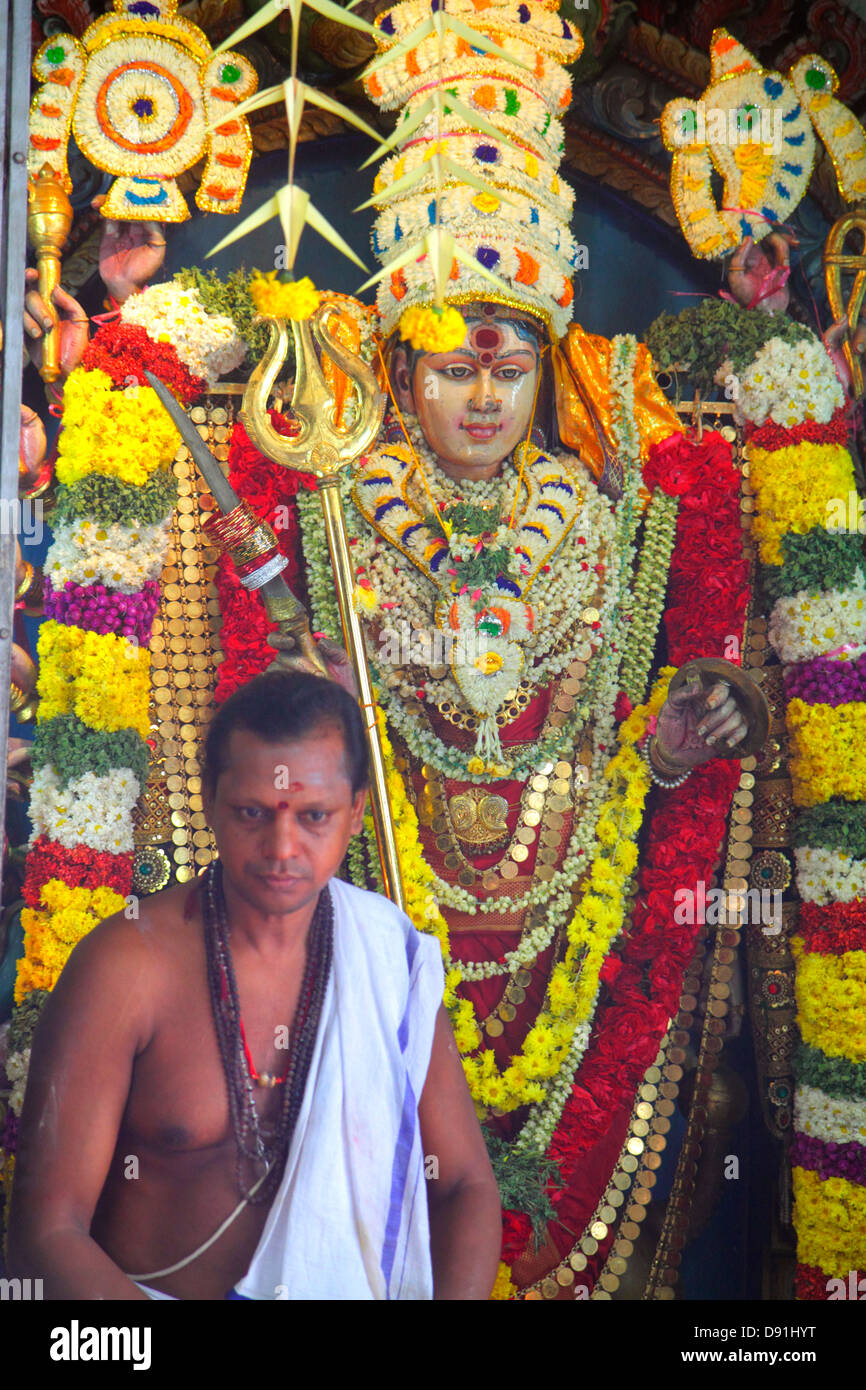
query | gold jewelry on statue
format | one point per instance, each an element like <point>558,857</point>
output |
<point>27,581</point>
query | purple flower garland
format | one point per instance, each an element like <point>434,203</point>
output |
<point>95,608</point>
<point>828,1159</point>
<point>827,681</point>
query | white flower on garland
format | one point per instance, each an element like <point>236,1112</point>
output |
<point>209,344</point>
<point>829,1118</point>
<point>789,383</point>
<point>121,557</point>
<point>815,623</point>
<point>827,876</point>
<point>17,1067</point>
<point>89,810</point>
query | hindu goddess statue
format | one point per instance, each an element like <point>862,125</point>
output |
<point>511,535</point>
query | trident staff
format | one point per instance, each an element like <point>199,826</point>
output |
<point>318,447</point>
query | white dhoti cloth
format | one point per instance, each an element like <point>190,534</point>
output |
<point>349,1220</point>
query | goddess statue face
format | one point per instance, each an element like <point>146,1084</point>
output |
<point>474,404</point>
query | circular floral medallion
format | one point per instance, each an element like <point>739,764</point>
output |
<point>140,108</point>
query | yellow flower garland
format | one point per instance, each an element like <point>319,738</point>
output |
<point>284,299</point>
<point>104,679</point>
<point>49,936</point>
<point>793,487</point>
<point>433,330</point>
<point>597,919</point>
<point>831,1000</point>
<point>830,1215</point>
<point>828,748</point>
<point>120,434</point>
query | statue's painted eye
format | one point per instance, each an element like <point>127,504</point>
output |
<point>748,117</point>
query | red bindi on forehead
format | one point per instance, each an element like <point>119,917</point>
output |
<point>486,339</point>
<point>293,787</point>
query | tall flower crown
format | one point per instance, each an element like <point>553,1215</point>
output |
<point>476,157</point>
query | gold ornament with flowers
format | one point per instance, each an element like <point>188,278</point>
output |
<point>756,129</point>
<point>146,98</point>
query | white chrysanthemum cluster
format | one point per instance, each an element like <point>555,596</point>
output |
<point>121,557</point>
<point>89,810</point>
<point>827,876</point>
<point>209,344</point>
<point>830,1118</point>
<point>789,383</point>
<point>812,624</point>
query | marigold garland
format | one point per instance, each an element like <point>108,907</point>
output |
<point>284,299</point>
<point>433,329</point>
<point>831,1222</point>
<point>794,488</point>
<point>107,431</point>
<point>102,678</point>
<point>804,481</point>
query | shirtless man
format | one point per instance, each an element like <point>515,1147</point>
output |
<point>127,1157</point>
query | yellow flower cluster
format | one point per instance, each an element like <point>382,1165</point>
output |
<point>434,329</point>
<point>102,678</point>
<point>828,751</point>
<point>597,919</point>
<point>831,1000</point>
<point>503,1288</point>
<point>124,434</point>
<point>794,488</point>
<point>284,299</point>
<point>830,1217</point>
<point>49,936</point>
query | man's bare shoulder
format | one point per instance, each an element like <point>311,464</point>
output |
<point>139,955</point>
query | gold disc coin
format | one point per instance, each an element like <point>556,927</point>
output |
<point>509,870</point>
<point>507,1013</point>
<point>494,1028</point>
<point>519,853</point>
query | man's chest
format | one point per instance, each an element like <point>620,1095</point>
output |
<point>185,1084</point>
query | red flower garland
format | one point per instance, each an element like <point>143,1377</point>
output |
<point>773,436</point>
<point>124,351</point>
<point>81,867</point>
<point>708,594</point>
<point>266,486</point>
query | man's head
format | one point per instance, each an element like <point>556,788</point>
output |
<point>474,404</point>
<point>284,787</point>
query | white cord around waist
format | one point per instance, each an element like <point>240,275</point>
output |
<point>181,1264</point>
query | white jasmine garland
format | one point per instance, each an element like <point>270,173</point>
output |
<point>829,1118</point>
<point>89,810</point>
<point>827,875</point>
<point>811,623</point>
<point>121,557</point>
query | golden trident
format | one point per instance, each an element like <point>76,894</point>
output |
<point>836,260</point>
<point>324,449</point>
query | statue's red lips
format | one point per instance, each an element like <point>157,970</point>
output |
<point>482,431</point>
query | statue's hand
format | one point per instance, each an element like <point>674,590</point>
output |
<point>32,447</point>
<point>66,312</point>
<point>835,338</point>
<point>758,280</point>
<point>130,254</point>
<point>693,727</point>
<point>338,664</point>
